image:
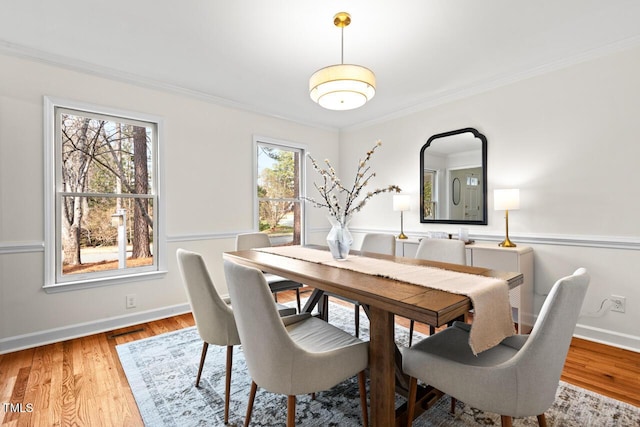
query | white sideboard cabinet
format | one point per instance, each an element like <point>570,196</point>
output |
<point>407,247</point>
<point>518,259</point>
<point>490,255</point>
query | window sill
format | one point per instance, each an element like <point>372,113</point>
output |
<point>105,281</point>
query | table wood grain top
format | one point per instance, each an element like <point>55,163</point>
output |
<point>420,303</point>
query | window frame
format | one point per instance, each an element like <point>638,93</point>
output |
<point>289,146</point>
<point>53,278</point>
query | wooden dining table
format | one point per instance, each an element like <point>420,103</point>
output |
<point>384,298</point>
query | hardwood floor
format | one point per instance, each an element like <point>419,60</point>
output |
<point>81,381</point>
<point>77,382</point>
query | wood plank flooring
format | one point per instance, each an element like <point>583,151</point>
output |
<point>81,382</point>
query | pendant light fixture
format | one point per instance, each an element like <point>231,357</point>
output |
<point>343,86</point>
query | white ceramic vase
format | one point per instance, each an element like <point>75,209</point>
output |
<point>339,239</point>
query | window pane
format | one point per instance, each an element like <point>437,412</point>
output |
<point>114,234</point>
<point>278,171</point>
<point>279,221</point>
<point>278,193</point>
<point>105,156</point>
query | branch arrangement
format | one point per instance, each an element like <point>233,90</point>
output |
<point>332,188</point>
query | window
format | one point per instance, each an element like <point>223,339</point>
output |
<point>429,195</point>
<point>279,208</point>
<point>102,212</point>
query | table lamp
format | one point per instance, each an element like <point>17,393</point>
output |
<point>506,200</point>
<point>401,203</point>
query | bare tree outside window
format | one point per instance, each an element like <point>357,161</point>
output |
<point>106,197</point>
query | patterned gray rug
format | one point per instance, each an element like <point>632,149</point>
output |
<point>161,371</point>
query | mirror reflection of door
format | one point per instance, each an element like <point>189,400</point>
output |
<point>473,195</point>
<point>466,196</point>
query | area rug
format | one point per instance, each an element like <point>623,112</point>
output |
<point>161,371</point>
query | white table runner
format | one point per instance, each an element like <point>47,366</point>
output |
<point>492,320</point>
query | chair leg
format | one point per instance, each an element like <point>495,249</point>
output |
<point>357,319</point>
<point>542,420</point>
<point>507,421</point>
<point>411,324</point>
<point>252,396</point>
<point>411,399</point>
<point>205,346</point>
<point>291,411</point>
<point>298,300</point>
<point>453,405</point>
<point>227,384</point>
<point>363,398</point>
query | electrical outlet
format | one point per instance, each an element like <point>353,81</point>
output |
<point>131,301</point>
<point>619,303</point>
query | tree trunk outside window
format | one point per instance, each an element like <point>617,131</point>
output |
<point>141,239</point>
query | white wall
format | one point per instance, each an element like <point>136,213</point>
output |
<point>569,140</point>
<point>208,174</point>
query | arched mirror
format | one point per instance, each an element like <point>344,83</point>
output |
<point>453,178</point>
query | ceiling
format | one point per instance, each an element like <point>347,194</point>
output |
<point>259,55</point>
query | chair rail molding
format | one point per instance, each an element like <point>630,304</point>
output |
<point>21,247</point>
<point>582,240</point>
<point>587,241</point>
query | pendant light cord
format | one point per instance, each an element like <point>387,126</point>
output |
<point>342,45</point>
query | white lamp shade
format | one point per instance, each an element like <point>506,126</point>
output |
<point>342,87</point>
<point>401,202</point>
<point>508,199</point>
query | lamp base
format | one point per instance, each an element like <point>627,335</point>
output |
<point>402,236</point>
<point>506,243</point>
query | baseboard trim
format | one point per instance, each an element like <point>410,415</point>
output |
<point>607,337</point>
<point>21,342</point>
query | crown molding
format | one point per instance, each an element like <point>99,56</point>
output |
<point>487,85</point>
<point>36,55</point>
<point>441,98</point>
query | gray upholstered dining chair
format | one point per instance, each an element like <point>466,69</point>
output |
<point>518,377</point>
<point>379,243</point>
<point>214,316</point>
<point>440,250</point>
<point>277,284</point>
<point>300,354</point>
